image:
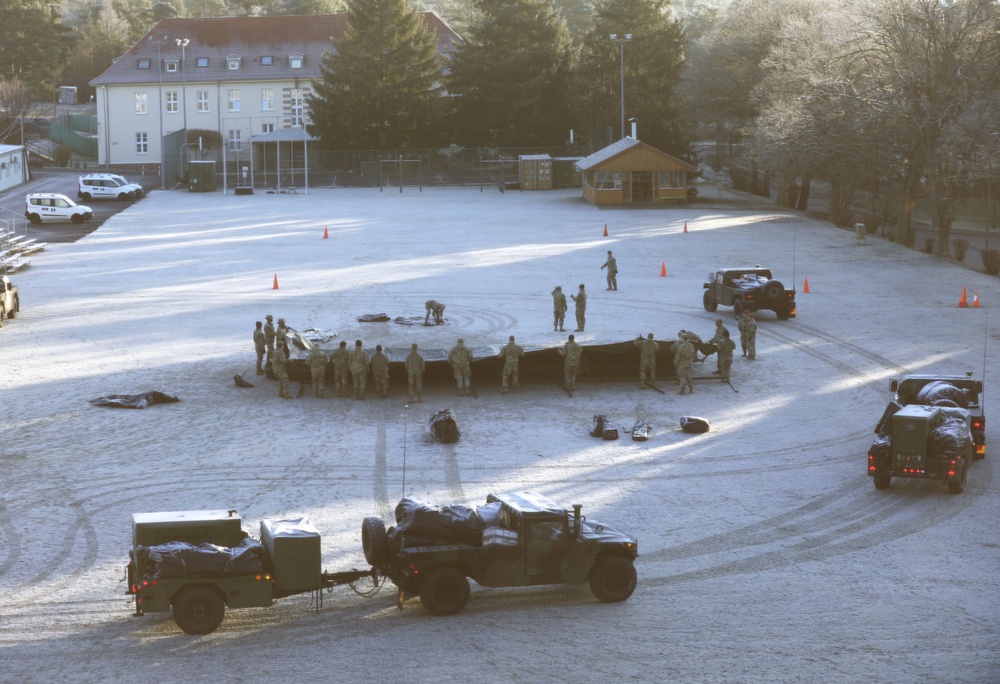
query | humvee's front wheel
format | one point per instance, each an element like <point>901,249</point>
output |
<point>613,579</point>
<point>709,301</point>
<point>198,610</point>
<point>444,591</point>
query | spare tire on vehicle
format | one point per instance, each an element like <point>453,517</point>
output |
<point>773,290</point>
<point>374,540</point>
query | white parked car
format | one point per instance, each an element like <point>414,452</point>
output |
<point>46,206</point>
<point>107,185</point>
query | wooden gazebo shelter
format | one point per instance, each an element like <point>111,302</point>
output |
<point>632,172</point>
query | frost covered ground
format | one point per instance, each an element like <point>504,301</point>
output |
<point>766,555</point>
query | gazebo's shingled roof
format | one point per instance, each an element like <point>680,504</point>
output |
<point>617,148</point>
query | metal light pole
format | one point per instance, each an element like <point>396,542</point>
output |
<point>182,43</point>
<point>621,44</point>
<point>159,105</point>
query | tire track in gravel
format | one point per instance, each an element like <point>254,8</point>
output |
<point>12,543</point>
<point>380,487</point>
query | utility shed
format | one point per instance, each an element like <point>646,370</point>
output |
<point>632,172</point>
<point>536,172</point>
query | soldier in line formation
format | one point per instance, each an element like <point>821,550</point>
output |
<point>260,346</point>
<point>647,360</point>
<point>511,353</point>
<point>460,360</point>
<point>415,374</point>
<point>684,355</point>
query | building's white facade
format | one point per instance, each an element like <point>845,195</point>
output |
<point>240,76</point>
<point>13,166</point>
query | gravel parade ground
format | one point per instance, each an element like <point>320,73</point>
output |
<point>765,552</point>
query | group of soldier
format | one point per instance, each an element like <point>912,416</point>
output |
<point>351,367</point>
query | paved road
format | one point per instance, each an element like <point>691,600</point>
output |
<point>63,181</point>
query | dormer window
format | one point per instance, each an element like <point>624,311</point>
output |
<point>232,63</point>
<point>143,63</point>
<point>171,65</point>
<point>202,62</point>
<point>267,60</point>
<point>295,61</point>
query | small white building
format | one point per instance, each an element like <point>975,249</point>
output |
<point>13,166</point>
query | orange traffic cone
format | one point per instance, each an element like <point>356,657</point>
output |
<point>685,226</point>
<point>963,302</point>
<point>663,270</point>
<point>605,230</point>
<point>275,287</point>
<point>975,301</point>
<point>805,286</point>
<point>326,233</point>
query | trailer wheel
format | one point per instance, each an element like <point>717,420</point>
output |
<point>198,609</point>
<point>882,481</point>
<point>612,579</point>
<point>444,591</point>
<point>374,541</point>
<point>959,487</point>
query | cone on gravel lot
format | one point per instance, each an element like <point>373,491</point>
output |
<point>605,230</point>
<point>663,270</point>
<point>963,302</point>
<point>685,226</point>
<point>326,233</point>
<point>805,286</point>
<point>975,300</point>
<point>275,286</point>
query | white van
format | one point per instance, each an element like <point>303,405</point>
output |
<point>107,186</point>
<point>44,206</point>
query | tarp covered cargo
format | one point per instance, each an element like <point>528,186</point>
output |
<point>180,560</point>
<point>424,523</point>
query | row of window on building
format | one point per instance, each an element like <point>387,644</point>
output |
<point>612,180</point>
<point>172,105</point>
<point>233,62</point>
<point>235,140</point>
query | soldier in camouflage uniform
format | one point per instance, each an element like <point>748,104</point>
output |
<point>510,354</point>
<point>260,346</point>
<point>684,354</point>
<point>380,371</point>
<point>317,369</point>
<point>415,373</point>
<point>279,337</point>
<point>269,338</point>
<point>647,359</point>
<point>359,369</point>
<point>726,349</point>
<point>436,308</point>
<point>572,352</point>
<point>341,359</point>
<point>612,265</point>
<point>720,333</point>
<point>581,308</point>
<point>558,309</point>
<point>278,363</point>
<point>460,360</point>
<point>748,335</point>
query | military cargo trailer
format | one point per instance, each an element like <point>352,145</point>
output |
<point>195,564</point>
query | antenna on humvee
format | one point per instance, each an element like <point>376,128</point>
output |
<point>405,417</point>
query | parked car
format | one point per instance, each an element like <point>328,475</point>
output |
<point>45,206</point>
<point>107,185</point>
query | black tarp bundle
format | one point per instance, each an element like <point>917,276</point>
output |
<point>134,401</point>
<point>427,524</point>
<point>938,392</point>
<point>444,427</point>
<point>694,425</point>
<point>950,438</point>
<point>181,560</point>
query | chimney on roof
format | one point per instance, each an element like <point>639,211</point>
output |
<point>634,123</point>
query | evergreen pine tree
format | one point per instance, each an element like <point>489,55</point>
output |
<point>510,79</point>
<point>653,60</point>
<point>380,85</point>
